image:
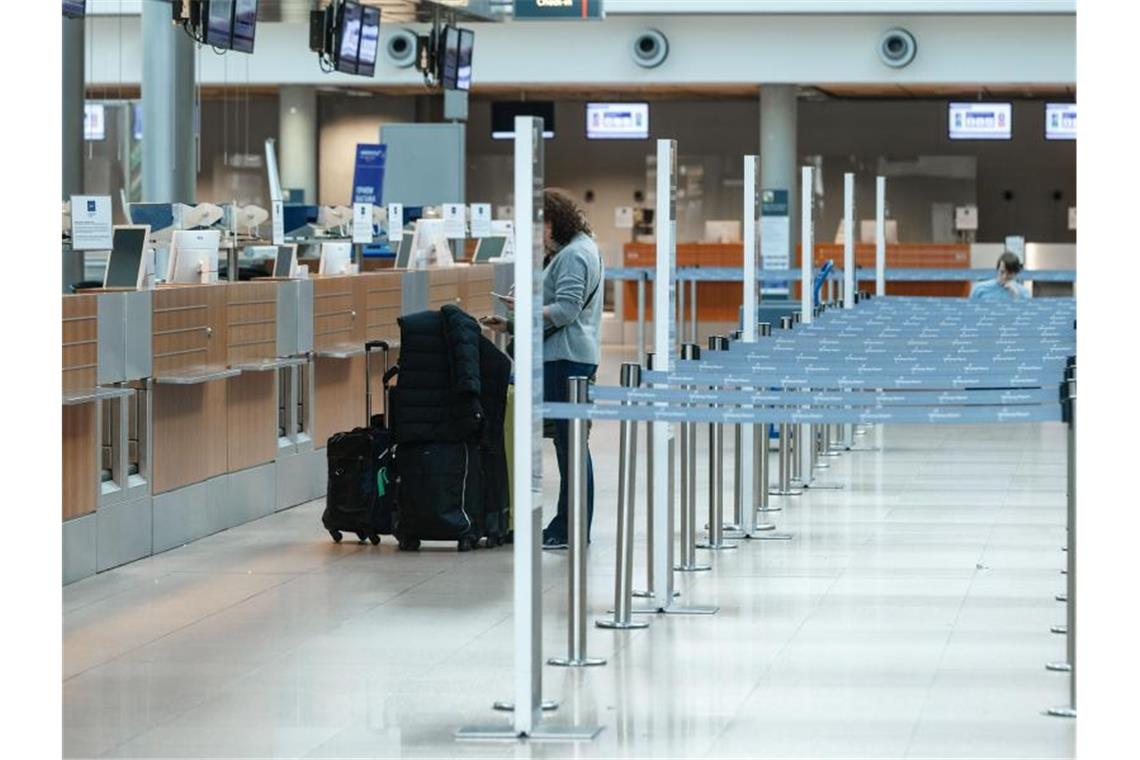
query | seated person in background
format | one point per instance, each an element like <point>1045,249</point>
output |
<point>1004,287</point>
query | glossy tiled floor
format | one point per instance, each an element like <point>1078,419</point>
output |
<point>909,617</point>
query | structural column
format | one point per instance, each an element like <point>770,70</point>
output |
<point>74,76</point>
<point>778,150</point>
<point>297,146</point>
<point>170,166</point>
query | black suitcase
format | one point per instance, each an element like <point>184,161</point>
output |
<point>361,464</point>
<point>439,494</point>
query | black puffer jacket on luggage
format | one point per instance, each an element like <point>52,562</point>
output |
<point>437,398</point>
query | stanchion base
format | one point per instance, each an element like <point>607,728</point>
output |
<point>1059,629</point>
<point>1062,597</point>
<point>650,594</point>
<point>1061,712</point>
<point>539,734</point>
<point>716,547</point>
<point>567,662</point>
<point>830,453</point>
<point>692,568</point>
<point>770,536</point>
<point>789,492</point>
<point>822,466</point>
<point>502,706</point>
<point>762,527</point>
<point>1059,667</point>
<point>614,625</point>
<point>1064,572</point>
<point>866,448</point>
<point>671,610</point>
<point>770,509</point>
<point>726,528</point>
<point>825,486</point>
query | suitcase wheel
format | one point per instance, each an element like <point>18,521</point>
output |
<point>362,538</point>
<point>375,539</point>
<point>467,543</point>
<point>493,541</point>
<point>409,544</point>
<point>336,535</point>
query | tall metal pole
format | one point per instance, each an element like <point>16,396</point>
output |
<point>784,474</point>
<point>880,236</point>
<point>627,498</point>
<point>716,540</point>
<point>688,563</point>
<point>1070,710</point>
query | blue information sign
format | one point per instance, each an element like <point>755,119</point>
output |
<point>538,10</point>
<point>368,177</point>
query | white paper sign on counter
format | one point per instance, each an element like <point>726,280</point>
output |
<point>362,223</point>
<point>395,222</point>
<point>454,221</point>
<point>278,223</point>
<point>480,220</point>
<point>91,226</point>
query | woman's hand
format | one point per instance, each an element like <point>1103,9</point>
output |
<point>495,323</point>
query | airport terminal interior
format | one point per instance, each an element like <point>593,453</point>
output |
<point>568,378</point>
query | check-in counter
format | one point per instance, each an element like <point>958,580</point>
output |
<point>190,409</point>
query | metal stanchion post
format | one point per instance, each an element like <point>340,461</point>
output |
<point>641,318</point>
<point>716,540</point>
<point>576,657</point>
<point>786,460</point>
<point>627,494</point>
<point>688,562</point>
<point>1070,392</point>
<point>693,308</point>
<point>647,592</point>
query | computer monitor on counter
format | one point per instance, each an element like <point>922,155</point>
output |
<point>193,256</point>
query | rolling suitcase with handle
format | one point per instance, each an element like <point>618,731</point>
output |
<point>361,467</point>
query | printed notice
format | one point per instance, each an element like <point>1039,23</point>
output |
<point>91,225</point>
<point>454,221</point>
<point>278,223</point>
<point>362,223</point>
<point>480,220</point>
<point>395,222</point>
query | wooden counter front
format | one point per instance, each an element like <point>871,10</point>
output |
<point>189,428</point>
<point>251,398</point>
<point>721,301</point>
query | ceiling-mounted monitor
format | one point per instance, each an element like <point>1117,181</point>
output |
<point>466,56</point>
<point>94,122</point>
<point>348,41</point>
<point>369,41</point>
<point>617,121</point>
<point>244,26</point>
<point>1060,121</point>
<point>503,115</point>
<point>220,23</point>
<point>980,121</point>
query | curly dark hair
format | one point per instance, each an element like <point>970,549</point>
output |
<point>565,216</point>
<point>1012,263</point>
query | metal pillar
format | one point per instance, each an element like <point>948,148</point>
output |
<point>577,388</point>
<point>627,496</point>
<point>297,116</point>
<point>778,104</point>
<point>73,102</point>
<point>170,150</point>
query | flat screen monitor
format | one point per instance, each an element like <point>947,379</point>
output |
<point>245,25</point>
<point>75,8</point>
<point>466,57</point>
<point>617,121</point>
<point>335,258</point>
<point>404,253</point>
<point>503,115</point>
<point>348,46</point>
<point>369,41</point>
<point>193,252</point>
<point>449,58</point>
<point>1060,121</point>
<point>94,122</point>
<point>489,248</point>
<point>285,263</point>
<point>220,23</point>
<point>428,233</point>
<point>980,121</point>
<point>157,216</point>
<point>126,266</point>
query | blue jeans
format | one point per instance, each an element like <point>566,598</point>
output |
<point>555,375</point>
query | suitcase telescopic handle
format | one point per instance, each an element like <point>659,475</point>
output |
<point>374,344</point>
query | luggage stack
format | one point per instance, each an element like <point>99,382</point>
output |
<point>447,413</point>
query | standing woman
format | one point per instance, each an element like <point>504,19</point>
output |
<point>572,320</point>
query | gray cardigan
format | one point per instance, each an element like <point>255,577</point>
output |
<point>567,282</point>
